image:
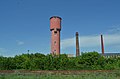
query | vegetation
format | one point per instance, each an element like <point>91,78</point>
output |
<point>81,75</point>
<point>37,61</point>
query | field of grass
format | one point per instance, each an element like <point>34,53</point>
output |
<point>50,75</point>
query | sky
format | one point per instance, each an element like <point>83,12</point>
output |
<point>25,25</point>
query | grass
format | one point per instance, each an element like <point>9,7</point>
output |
<point>81,75</point>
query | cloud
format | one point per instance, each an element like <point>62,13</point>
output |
<point>112,39</point>
<point>89,41</point>
<point>85,41</point>
<point>92,41</point>
<point>20,42</point>
<point>69,42</point>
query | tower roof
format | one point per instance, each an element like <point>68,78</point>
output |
<point>56,17</point>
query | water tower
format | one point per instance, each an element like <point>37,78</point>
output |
<point>55,28</point>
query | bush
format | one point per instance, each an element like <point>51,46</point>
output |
<point>37,61</point>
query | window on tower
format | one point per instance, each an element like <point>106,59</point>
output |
<point>55,51</point>
<point>55,33</point>
<point>54,42</point>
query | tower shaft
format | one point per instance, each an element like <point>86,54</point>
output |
<point>77,45</point>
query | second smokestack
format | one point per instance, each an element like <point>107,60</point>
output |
<point>77,45</point>
<point>102,44</point>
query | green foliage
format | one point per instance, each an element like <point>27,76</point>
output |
<point>37,61</point>
<point>80,75</point>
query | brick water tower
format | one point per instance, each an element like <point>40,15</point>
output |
<point>55,28</point>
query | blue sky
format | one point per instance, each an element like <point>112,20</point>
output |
<point>24,25</point>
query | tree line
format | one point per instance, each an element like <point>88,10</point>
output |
<point>37,61</point>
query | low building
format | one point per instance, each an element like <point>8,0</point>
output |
<point>70,55</point>
<point>108,55</point>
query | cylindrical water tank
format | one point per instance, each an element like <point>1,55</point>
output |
<point>55,23</point>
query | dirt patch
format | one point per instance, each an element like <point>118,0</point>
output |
<point>65,72</point>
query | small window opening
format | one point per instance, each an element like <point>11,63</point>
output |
<point>55,32</point>
<point>54,42</point>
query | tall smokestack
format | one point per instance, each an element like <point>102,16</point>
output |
<point>102,45</point>
<point>55,28</point>
<point>77,44</point>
